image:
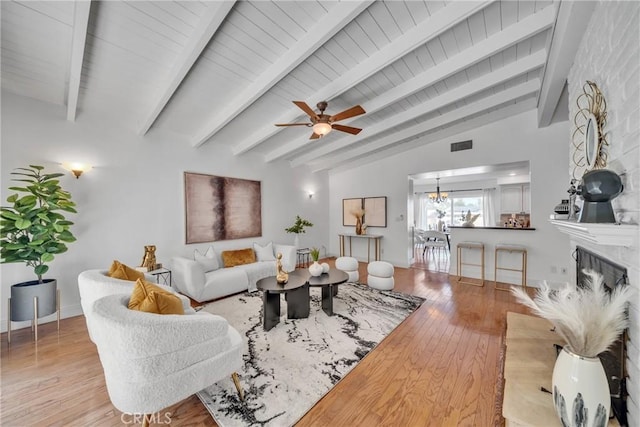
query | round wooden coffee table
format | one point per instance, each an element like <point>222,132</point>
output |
<point>296,291</point>
<point>329,283</point>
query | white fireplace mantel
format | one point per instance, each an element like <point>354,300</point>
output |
<point>603,234</point>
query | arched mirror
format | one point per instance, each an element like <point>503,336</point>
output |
<point>589,139</point>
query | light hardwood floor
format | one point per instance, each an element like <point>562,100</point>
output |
<point>440,367</point>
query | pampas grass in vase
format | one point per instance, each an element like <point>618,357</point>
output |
<point>590,320</point>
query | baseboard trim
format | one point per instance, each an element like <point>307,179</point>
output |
<point>65,312</point>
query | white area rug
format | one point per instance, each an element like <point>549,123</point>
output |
<point>289,368</point>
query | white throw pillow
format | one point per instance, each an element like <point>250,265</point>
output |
<point>208,261</point>
<point>264,253</point>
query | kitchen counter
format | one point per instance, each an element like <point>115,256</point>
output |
<point>491,228</point>
<point>491,237</point>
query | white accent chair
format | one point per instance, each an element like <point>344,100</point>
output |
<point>380,275</point>
<point>95,284</point>
<point>152,361</point>
<point>350,266</point>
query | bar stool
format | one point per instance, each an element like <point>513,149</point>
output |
<point>523,269</point>
<point>470,245</point>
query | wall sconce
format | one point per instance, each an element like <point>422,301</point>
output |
<point>310,194</point>
<point>76,168</point>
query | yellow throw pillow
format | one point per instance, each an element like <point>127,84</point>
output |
<point>238,257</point>
<point>150,298</point>
<point>124,272</point>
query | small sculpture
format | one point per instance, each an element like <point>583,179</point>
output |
<point>282,276</point>
<point>469,219</point>
<point>149,258</point>
<point>572,200</point>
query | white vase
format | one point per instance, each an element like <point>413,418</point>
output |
<point>296,241</point>
<point>315,269</point>
<point>580,390</point>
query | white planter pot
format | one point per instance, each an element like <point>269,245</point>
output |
<point>296,242</point>
<point>580,390</point>
<point>315,269</point>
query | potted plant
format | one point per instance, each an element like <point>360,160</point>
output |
<point>315,269</point>
<point>33,231</point>
<point>590,319</point>
<point>297,228</point>
<point>359,215</point>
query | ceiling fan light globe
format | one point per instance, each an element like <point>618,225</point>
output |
<point>322,128</point>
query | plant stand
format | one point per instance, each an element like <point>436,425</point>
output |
<point>31,301</point>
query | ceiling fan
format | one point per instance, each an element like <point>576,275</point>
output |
<point>322,123</point>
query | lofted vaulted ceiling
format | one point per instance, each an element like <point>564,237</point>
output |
<point>225,72</point>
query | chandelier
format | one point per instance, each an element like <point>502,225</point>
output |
<point>438,197</point>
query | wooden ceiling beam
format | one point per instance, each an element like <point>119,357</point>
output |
<point>323,30</point>
<point>430,28</point>
<point>202,34</point>
<point>484,104</point>
<point>512,35</point>
<point>78,41</point>
<point>441,135</point>
<point>475,86</point>
<point>572,21</point>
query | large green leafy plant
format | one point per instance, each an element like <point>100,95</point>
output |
<point>33,230</point>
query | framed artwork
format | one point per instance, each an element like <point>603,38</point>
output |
<point>375,211</point>
<point>221,208</point>
<point>349,206</point>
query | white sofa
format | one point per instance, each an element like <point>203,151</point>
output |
<point>152,361</point>
<point>190,278</point>
<point>95,284</point>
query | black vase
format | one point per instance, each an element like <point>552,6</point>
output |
<point>598,188</point>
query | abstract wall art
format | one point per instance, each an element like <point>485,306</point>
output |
<point>221,208</point>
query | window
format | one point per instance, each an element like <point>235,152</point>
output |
<point>451,211</point>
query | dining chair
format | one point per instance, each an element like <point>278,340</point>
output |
<point>434,239</point>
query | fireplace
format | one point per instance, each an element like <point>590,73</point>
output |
<point>614,359</point>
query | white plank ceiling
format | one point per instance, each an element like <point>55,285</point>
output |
<point>224,72</point>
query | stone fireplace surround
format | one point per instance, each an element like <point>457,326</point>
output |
<point>609,55</point>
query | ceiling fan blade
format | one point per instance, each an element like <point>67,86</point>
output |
<point>304,107</point>
<point>293,124</point>
<point>351,112</point>
<point>314,136</point>
<point>347,129</point>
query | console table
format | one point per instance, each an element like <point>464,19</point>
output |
<point>369,237</point>
<point>528,367</point>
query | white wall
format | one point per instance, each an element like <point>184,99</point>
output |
<point>609,55</point>
<point>134,195</point>
<point>510,140</point>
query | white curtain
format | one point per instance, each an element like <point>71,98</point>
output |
<point>421,215</point>
<point>489,207</point>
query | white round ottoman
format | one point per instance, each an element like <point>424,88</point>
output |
<point>350,266</point>
<point>380,275</point>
